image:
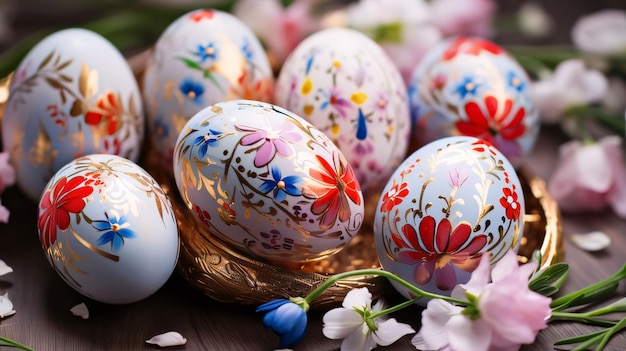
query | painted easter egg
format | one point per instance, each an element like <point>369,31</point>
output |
<point>108,229</point>
<point>345,85</point>
<point>448,203</point>
<point>204,57</point>
<point>73,94</point>
<point>266,182</point>
<point>471,86</point>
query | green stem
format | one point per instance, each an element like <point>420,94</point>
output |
<point>366,272</point>
<point>394,308</point>
<point>621,274</point>
<point>580,317</point>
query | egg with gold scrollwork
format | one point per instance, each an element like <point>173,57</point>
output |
<point>343,83</point>
<point>204,57</point>
<point>108,229</point>
<point>448,203</point>
<point>266,182</point>
<point>73,94</point>
<point>471,86</point>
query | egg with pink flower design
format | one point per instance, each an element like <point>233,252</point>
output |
<point>266,182</point>
<point>471,86</point>
<point>448,203</point>
<point>343,83</point>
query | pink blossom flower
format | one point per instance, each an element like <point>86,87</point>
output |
<point>590,177</point>
<point>4,214</point>
<point>571,84</point>
<point>281,29</point>
<point>601,32</point>
<point>463,17</point>
<point>509,314</point>
<point>402,28</point>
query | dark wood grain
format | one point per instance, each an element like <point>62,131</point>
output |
<point>43,300</point>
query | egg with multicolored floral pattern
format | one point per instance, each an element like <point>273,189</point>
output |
<point>267,182</point>
<point>343,83</point>
<point>449,203</point>
<point>204,57</point>
<point>73,94</point>
<point>471,86</point>
<point>108,229</point>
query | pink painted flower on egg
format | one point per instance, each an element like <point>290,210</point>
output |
<point>272,142</point>
<point>437,249</point>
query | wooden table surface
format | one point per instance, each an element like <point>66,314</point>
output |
<point>42,300</point>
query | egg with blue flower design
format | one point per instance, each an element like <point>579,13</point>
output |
<point>473,87</point>
<point>204,57</point>
<point>266,182</point>
<point>108,229</point>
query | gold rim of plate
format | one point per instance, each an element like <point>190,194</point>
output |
<point>227,275</point>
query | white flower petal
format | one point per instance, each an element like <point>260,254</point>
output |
<point>80,310</point>
<point>340,322</point>
<point>360,339</point>
<point>170,338</point>
<point>4,268</point>
<point>6,306</point>
<point>358,298</point>
<point>593,241</point>
<point>600,32</point>
<point>468,335</point>
<point>594,167</point>
<point>389,331</point>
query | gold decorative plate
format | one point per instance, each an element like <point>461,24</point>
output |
<point>227,275</point>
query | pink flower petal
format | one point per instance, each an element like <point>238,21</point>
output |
<point>468,335</point>
<point>264,154</point>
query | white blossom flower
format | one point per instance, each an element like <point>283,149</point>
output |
<point>6,306</point>
<point>534,20</point>
<point>353,323</point>
<point>80,310</point>
<point>601,32</point>
<point>571,84</point>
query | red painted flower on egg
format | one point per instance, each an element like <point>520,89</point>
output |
<point>437,249</point>
<point>394,196</point>
<point>331,187</point>
<point>495,122</point>
<point>470,46</point>
<point>510,203</point>
<point>67,196</point>
<point>108,109</point>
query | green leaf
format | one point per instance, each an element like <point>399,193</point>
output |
<point>190,63</point>
<point>10,343</point>
<point>549,280</point>
<point>610,333</point>
<point>580,338</point>
<point>584,297</point>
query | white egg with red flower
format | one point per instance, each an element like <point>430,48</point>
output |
<point>344,84</point>
<point>448,203</point>
<point>73,94</point>
<point>471,86</point>
<point>108,229</point>
<point>267,182</point>
<point>204,57</point>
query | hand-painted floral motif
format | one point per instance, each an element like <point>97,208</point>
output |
<point>470,86</point>
<point>495,122</point>
<point>271,183</point>
<point>446,205</point>
<point>438,248</point>
<point>333,186</point>
<point>115,229</point>
<point>65,197</point>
